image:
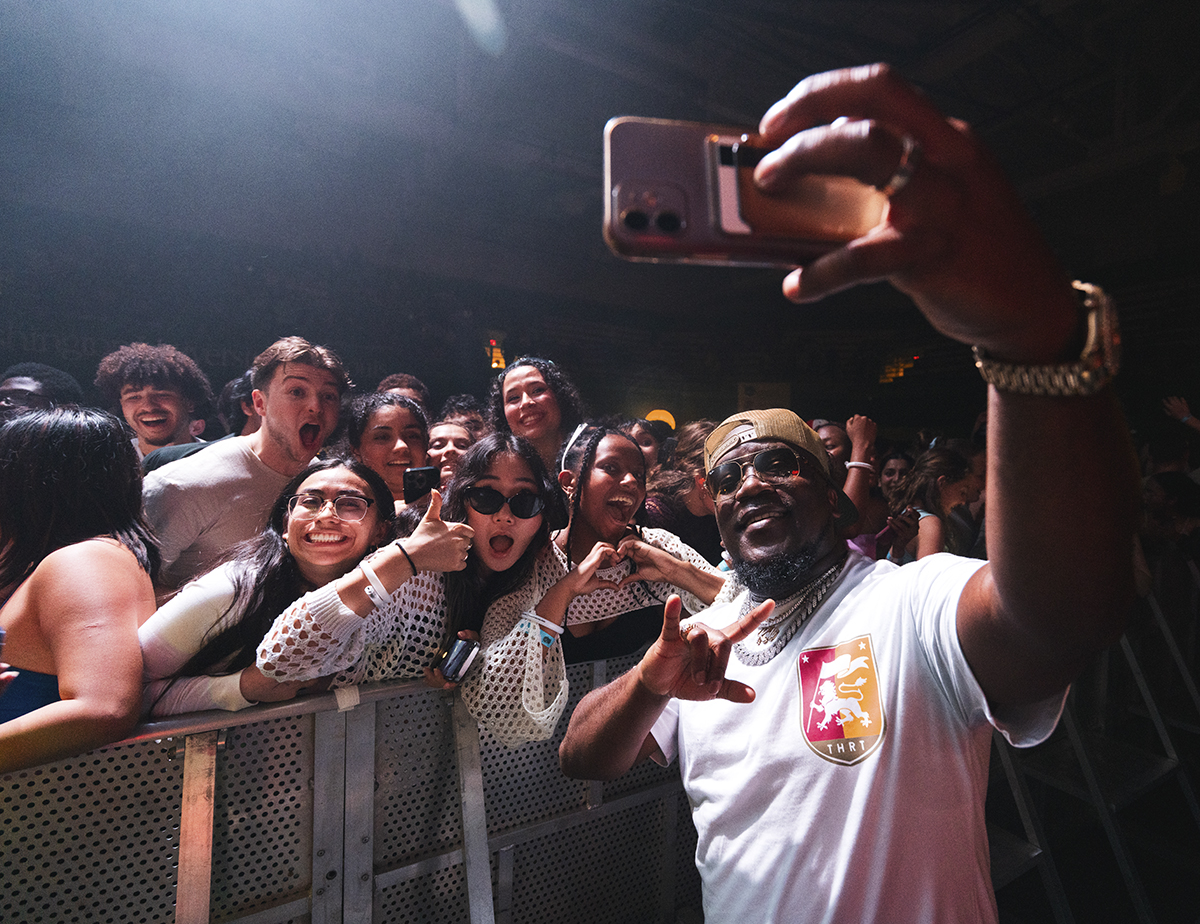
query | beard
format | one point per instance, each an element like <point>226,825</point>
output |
<point>782,575</point>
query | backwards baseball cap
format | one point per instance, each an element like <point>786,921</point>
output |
<point>775,424</point>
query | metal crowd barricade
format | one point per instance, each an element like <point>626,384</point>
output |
<point>396,810</point>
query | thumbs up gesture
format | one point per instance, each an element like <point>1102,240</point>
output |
<point>436,545</point>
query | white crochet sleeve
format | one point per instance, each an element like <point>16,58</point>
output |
<point>605,603</point>
<point>520,690</point>
<point>319,635</point>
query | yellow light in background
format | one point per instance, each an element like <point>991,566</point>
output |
<point>665,416</point>
<point>495,351</point>
<point>895,369</point>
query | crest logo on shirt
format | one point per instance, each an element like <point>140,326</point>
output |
<point>841,713</point>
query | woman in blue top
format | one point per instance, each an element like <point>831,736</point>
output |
<point>76,560</point>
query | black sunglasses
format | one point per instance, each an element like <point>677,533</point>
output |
<point>523,505</point>
<point>771,465</point>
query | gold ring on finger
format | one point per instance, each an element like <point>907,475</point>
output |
<point>909,159</point>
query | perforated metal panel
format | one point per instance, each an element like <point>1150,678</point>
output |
<point>96,839</point>
<point>687,877</point>
<point>439,898</point>
<point>525,785</point>
<point>92,839</point>
<point>605,872</point>
<point>416,780</point>
<point>263,817</point>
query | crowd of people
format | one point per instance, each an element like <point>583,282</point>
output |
<point>286,557</point>
<point>334,537</point>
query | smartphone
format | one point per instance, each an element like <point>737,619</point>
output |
<point>457,660</point>
<point>684,192</point>
<point>420,481</point>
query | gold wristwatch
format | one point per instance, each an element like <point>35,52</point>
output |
<point>1095,368</point>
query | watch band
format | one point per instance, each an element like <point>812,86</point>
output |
<point>1094,369</point>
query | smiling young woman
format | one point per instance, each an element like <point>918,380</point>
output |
<point>199,648</point>
<point>533,398</point>
<point>388,433</point>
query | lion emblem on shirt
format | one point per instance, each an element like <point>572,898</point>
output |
<point>840,709</point>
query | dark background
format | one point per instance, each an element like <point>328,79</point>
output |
<point>375,177</point>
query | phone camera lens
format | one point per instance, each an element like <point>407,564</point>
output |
<point>636,220</point>
<point>668,222</point>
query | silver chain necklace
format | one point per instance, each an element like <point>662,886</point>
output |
<point>790,614</point>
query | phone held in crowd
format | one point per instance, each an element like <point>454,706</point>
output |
<point>457,660</point>
<point>420,481</point>
<point>685,191</point>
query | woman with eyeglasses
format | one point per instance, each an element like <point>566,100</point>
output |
<point>76,559</point>
<point>199,648</point>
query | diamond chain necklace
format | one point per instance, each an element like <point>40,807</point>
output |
<point>790,614</point>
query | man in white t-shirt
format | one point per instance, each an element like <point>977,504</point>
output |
<point>833,723</point>
<point>202,505</point>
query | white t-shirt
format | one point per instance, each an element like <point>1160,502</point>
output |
<point>203,505</point>
<point>852,788</point>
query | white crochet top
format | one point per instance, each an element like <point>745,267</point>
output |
<point>521,690</point>
<point>518,693</point>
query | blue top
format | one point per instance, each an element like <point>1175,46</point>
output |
<point>29,691</point>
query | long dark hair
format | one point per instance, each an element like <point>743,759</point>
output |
<point>678,478</point>
<point>470,592</point>
<point>919,488</point>
<point>268,579</point>
<point>570,405</point>
<point>579,457</point>
<point>66,475</point>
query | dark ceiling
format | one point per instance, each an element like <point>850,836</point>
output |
<point>377,176</point>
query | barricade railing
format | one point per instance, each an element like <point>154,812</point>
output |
<point>396,809</point>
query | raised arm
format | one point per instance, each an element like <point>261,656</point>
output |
<point>328,630</point>
<point>958,241</point>
<point>1177,407</point>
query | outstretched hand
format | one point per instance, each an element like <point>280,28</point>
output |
<point>436,545</point>
<point>694,667</point>
<point>953,235</point>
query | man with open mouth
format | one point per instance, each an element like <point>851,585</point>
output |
<point>161,392</point>
<point>203,505</point>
